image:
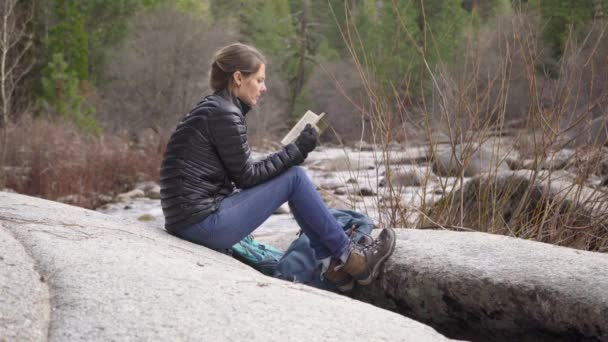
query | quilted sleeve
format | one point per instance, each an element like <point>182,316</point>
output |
<point>229,136</point>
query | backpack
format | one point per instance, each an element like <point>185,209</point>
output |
<point>263,258</point>
<point>298,262</point>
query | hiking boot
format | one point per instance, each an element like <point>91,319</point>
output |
<point>343,281</point>
<point>364,261</point>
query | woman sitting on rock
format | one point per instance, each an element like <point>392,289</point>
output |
<point>208,155</point>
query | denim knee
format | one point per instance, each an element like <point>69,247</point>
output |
<point>298,171</point>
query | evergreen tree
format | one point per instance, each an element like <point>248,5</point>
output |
<point>69,38</point>
<point>565,19</point>
<point>62,95</point>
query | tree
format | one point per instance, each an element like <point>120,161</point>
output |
<point>15,46</point>
<point>69,37</point>
<point>62,96</point>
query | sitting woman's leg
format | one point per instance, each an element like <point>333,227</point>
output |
<point>239,214</point>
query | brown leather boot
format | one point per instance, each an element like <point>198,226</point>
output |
<point>343,281</point>
<point>364,261</point>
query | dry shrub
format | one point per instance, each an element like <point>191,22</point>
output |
<point>53,160</point>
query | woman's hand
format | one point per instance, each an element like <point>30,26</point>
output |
<point>307,140</point>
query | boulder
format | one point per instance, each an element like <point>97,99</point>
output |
<point>364,191</point>
<point>150,189</point>
<point>329,183</point>
<point>364,146</point>
<point>545,206</point>
<point>341,163</point>
<point>75,199</point>
<point>401,177</point>
<point>438,138</point>
<point>488,287</point>
<point>131,195</point>
<point>114,279</point>
<point>474,159</point>
<point>594,133</point>
<point>341,191</point>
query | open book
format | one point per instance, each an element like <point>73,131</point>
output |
<point>309,117</point>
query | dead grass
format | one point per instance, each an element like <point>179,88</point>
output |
<point>53,160</point>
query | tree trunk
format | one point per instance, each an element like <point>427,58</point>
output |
<point>15,43</point>
<point>7,12</point>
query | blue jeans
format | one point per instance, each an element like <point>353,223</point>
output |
<point>242,212</point>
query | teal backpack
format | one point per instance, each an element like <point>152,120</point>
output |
<point>263,258</point>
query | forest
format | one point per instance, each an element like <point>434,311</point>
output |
<point>91,90</point>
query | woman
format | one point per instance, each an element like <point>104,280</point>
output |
<point>208,155</point>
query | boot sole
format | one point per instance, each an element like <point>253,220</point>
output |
<point>374,273</point>
<point>346,287</point>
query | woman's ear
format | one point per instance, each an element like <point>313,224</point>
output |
<point>237,78</point>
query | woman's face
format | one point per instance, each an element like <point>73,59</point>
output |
<point>250,88</point>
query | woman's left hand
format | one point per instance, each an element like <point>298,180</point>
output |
<point>307,140</point>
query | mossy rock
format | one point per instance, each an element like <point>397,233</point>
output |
<point>146,218</point>
<point>516,205</point>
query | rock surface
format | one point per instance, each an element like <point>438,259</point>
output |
<point>24,295</point>
<point>402,177</point>
<point>118,279</point>
<point>475,160</point>
<point>517,202</point>
<point>476,284</point>
<point>593,133</point>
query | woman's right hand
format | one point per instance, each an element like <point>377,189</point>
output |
<point>307,140</point>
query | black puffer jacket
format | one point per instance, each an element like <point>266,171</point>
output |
<point>206,154</point>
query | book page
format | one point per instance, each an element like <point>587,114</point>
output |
<point>308,118</point>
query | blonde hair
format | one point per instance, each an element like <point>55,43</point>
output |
<point>230,59</point>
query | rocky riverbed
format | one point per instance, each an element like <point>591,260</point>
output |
<point>417,178</point>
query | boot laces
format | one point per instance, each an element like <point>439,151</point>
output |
<point>367,246</point>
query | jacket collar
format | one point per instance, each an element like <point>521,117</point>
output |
<point>242,106</point>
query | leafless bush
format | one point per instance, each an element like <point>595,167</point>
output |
<point>161,70</point>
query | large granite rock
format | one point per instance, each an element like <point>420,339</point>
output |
<point>114,279</point>
<point>545,206</point>
<point>24,295</point>
<point>491,287</point>
<point>470,159</point>
<point>593,133</point>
